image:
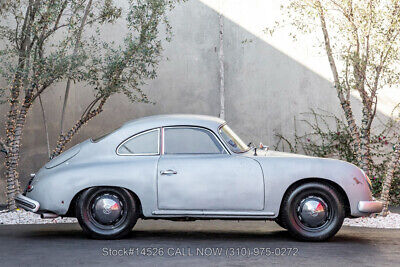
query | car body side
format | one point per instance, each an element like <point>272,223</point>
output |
<point>98,164</point>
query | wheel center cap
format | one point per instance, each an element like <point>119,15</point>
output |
<point>313,211</point>
<point>107,209</point>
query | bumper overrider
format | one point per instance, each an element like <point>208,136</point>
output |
<point>27,203</point>
<point>370,206</point>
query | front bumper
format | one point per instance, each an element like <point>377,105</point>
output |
<point>370,206</point>
<point>27,203</point>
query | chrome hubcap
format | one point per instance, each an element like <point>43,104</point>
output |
<point>107,209</point>
<point>313,211</point>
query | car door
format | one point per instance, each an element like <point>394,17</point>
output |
<point>196,172</point>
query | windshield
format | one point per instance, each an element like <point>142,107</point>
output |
<point>234,142</point>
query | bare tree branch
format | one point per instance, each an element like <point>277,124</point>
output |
<point>76,47</point>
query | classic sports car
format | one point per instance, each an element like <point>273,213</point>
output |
<point>188,167</point>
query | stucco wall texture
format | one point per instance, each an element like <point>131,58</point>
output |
<point>265,88</point>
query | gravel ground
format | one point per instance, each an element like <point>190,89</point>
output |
<point>24,217</point>
<point>391,221</point>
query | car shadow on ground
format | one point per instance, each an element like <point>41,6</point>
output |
<point>278,236</point>
<point>186,234</point>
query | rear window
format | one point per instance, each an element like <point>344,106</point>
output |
<point>146,143</point>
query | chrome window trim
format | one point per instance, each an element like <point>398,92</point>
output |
<point>195,127</point>
<point>140,154</point>
<point>227,145</point>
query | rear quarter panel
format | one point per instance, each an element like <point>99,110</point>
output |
<point>56,187</point>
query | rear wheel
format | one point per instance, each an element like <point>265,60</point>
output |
<point>106,212</point>
<point>313,211</point>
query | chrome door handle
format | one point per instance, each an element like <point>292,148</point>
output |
<point>168,172</point>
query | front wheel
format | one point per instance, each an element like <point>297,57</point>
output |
<point>106,212</point>
<point>313,211</point>
<point>278,220</point>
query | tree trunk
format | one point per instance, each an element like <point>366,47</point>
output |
<point>12,158</point>
<point>365,141</point>
<point>387,183</point>
<point>221,68</point>
<point>13,137</point>
<point>344,103</point>
<point>15,119</point>
<point>13,187</point>
<point>46,130</point>
<point>11,162</point>
<point>66,138</point>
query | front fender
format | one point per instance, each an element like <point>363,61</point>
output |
<point>283,172</point>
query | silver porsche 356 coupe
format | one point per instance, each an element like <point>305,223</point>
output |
<point>188,167</point>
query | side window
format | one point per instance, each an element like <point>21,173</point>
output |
<point>191,141</point>
<point>141,144</point>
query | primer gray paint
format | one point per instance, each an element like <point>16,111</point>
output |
<point>231,185</point>
<point>264,88</point>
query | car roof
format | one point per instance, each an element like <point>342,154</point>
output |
<point>174,120</point>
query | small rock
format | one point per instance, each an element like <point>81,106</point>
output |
<point>25,217</point>
<point>391,221</point>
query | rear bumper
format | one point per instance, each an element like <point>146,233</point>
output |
<point>370,206</point>
<point>27,203</point>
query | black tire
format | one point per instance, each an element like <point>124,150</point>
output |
<point>278,220</point>
<point>301,220</point>
<point>125,211</point>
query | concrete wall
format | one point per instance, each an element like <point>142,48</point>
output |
<point>265,86</point>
